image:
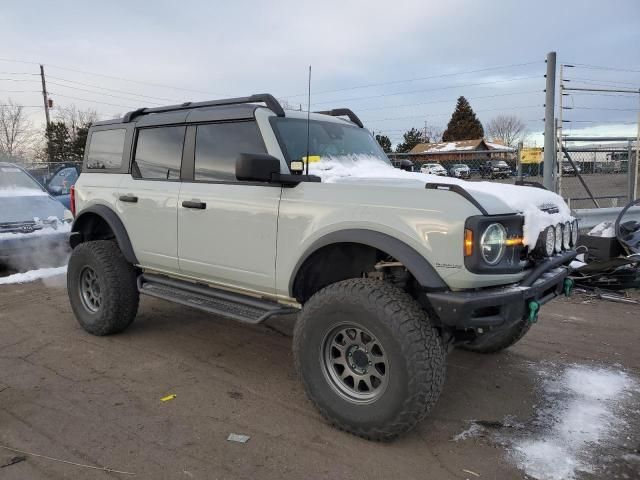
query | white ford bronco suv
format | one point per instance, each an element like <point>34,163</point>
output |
<point>241,209</point>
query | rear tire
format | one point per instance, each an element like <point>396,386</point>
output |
<point>102,287</point>
<point>369,358</point>
<point>492,342</point>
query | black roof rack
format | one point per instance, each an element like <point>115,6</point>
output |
<point>266,98</point>
<point>339,112</point>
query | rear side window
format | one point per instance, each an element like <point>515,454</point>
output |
<point>218,146</point>
<point>158,153</point>
<point>105,149</point>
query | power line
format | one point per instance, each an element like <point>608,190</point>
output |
<point>430,89</point>
<point>598,81</point>
<point>60,67</point>
<point>98,93</point>
<point>408,80</point>
<point>91,101</point>
<point>604,108</point>
<point>600,67</point>
<point>447,114</point>
<point>112,89</point>
<point>448,100</point>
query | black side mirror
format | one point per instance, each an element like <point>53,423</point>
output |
<point>254,167</point>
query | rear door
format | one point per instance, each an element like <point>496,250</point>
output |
<point>148,197</point>
<point>226,228</point>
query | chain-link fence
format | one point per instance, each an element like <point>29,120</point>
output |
<point>593,173</point>
<point>43,172</point>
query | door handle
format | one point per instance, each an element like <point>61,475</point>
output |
<point>194,204</point>
<point>128,198</point>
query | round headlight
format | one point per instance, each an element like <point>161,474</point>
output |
<point>558,238</point>
<point>574,233</point>
<point>492,243</point>
<point>566,236</point>
<point>547,241</point>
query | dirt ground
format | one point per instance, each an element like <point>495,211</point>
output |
<point>96,401</point>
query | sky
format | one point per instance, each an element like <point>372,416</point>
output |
<point>396,64</point>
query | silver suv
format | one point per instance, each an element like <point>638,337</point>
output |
<point>248,211</point>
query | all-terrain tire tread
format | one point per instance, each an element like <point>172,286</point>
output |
<point>118,311</point>
<point>420,344</point>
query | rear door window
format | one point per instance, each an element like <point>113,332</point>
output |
<point>105,149</point>
<point>159,153</point>
<point>218,146</point>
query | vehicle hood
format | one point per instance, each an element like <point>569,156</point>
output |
<point>25,208</point>
<point>540,207</point>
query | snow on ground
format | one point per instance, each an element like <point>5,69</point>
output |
<point>524,200</point>
<point>33,275</point>
<point>584,411</point>
<point>579,425</point>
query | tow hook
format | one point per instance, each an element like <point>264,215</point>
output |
<point>568,286</point>
<point>534,307</point>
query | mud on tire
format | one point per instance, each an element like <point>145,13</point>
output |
<point>391,338</point>
<point>102,287</point>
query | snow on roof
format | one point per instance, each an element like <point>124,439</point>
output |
<point>499,146</point>
<point>460,146</point>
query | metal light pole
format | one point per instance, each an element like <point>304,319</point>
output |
<point>549,129</point>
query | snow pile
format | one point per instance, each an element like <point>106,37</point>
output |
<point>583,413</point>
<point>524,200</point>
<point>605,229</point>
<point>33,275</point>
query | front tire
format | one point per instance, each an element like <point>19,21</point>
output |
<point>102,287</point>
<point>369,358</point>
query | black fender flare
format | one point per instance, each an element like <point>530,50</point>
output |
<point>417,265</point>
<point>115,224</point>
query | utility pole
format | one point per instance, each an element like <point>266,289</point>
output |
<point>549,130</point>
<point>425,132</point>
<point>45,97</point>
<point>519,160</point>
<point>559,132</point>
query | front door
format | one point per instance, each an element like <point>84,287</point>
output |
<point>227,229</point>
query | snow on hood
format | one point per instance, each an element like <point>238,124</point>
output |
<point>524,200</point>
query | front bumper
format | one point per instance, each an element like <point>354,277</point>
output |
<point>502,306</point>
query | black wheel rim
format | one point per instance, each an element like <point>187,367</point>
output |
<point>90,291</point>
<point>355,363</point>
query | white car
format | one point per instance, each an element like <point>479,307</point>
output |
<point>209,205</point>
<point>433,169</point>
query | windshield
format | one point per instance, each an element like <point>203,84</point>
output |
<point>13,179</point>
<point>326,140</point>
<point>64,178</point>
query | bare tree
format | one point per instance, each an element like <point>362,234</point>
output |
<point>508,129</point>
<point>76,119</point>
<point>433,134</point>
<point>16,132</point>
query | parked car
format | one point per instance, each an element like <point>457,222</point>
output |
<point>60,183</point>
<point>460,170</point>
<point>434,169</point>
<point>208,205</point>
<point>495,169</point>
<point>404,164</point>
<point>569,171</point>
<point>34,227</point>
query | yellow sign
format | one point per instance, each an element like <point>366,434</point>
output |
<point>531,155</point>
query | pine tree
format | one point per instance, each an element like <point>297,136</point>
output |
<point>58,142</point>
<point>464,124</point>
<point>78,143</point>
<point>411,138</point>
<point>384,142</point>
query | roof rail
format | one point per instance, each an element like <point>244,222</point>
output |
<point>339,112</point>
<point>266,98</point>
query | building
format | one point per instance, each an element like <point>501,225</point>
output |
<point>469,152</point>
